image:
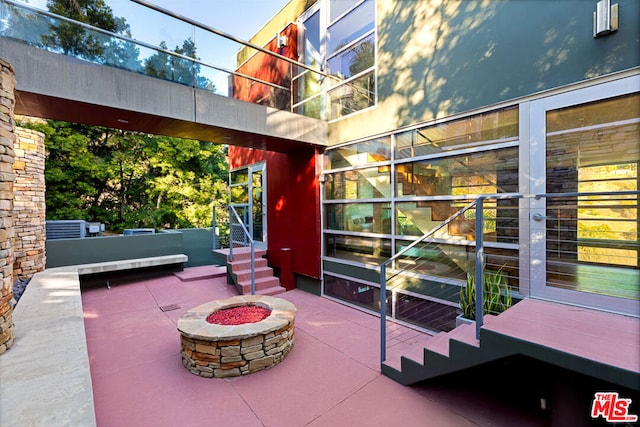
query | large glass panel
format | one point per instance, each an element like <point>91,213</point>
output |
<point>359,217</point>
<point>487,172</point>
<point>239,194</point>
<point>425,314</point>
<point>353,60</point>
<point>418,218</point>
<point>239,176</point>
<point>353,292</point>
<point>368,250</point>
<point>362,153</point>
<point>311,108</point>
<point>352,96</point>
<point>352,26</point>
<point>483,129</point>
<point>257,206</point>
<point>338,7</point>
<point>308,83</point>
<point>370,183</point>
<point>592,240</point>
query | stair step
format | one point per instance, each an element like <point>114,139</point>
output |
<point>245,264</point>
<point>466,334</point>
<point>245,254</point>
<point>410,346</point>
<point>245,275</point>
<point>439,344</point>
<point>261,283</point>
<point>276,290</point>
<point>200,273</point>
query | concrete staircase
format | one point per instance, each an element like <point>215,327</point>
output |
<point>574,338</point>
<point>239,273</point>
<point>442,354</point>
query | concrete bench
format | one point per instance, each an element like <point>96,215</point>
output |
<point>45,377</point>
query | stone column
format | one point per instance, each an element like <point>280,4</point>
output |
<point>28,204</point>
<point>7,137</point>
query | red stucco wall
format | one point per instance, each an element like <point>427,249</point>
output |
<point>293,205</point>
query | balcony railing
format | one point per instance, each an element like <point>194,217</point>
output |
<point>183,65</point>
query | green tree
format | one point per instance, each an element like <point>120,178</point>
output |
<point>177,69</point>
<point>130,179</point>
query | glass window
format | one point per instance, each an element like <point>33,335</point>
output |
<point>338,7</point>
<point>311,108</point>
<point>239,194</point>
<point>425,314</point>
<point>351,27</point>
<point>308,85</point>
<point>354,292</point>
<point>592,241</point>
<point>352,96</point>
<point>418,218</point>
<point>487,172</point>
<point>362,153</point>
<point>370,183</point>
<point>358,217</point>
<point>483,129</point>
<point>240,176</point>
<point>353,60</point>
<point>367,250</point>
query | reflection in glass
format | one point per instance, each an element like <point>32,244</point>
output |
<point>479,130</point>
<point>367,183</point>
<point>311,108</point>
<point>362,153</point>
<point>592,241</point>
<point>338,7</point>
<point>239,176</point>
<point>356,24</point>
<point>353,96</point>
<point>369,250</point>
<point>488,172</point>
<point>359,217</point>
<point>239,194</point>
<point>353,60</point>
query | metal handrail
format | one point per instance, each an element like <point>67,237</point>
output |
<point>149,45</point>
<point>383,277</point>
<point>233,211</point>
<point>479,245</point>
<point>227,36</point>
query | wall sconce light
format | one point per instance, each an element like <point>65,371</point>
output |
<point>281,40</point>
<point>605,18</point>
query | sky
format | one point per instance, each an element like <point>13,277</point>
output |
<point>239,18</point>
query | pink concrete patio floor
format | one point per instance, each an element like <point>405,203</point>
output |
<point>331,377</point>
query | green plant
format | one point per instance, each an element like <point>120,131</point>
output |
<point>495,292</point>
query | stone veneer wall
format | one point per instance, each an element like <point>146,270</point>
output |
<point>222,359</point>
<point>28,204</point>
<point>7,176</point>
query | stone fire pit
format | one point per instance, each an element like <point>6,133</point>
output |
<point>221,351</point>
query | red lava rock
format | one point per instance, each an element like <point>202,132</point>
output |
<point>239,315</point>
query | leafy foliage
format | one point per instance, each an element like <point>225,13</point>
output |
<point>496,295</point>
<point>130,179</point>
<point>73,39</point>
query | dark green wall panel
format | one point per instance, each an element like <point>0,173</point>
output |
<point>65,252</point>
<point>458,56</point>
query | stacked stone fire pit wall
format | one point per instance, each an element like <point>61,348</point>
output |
<point>219,351</point>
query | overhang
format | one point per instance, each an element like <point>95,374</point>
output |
<point>54,86</point>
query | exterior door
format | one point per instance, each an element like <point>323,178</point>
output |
<point>248,196</point>
<point>584,249</point>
